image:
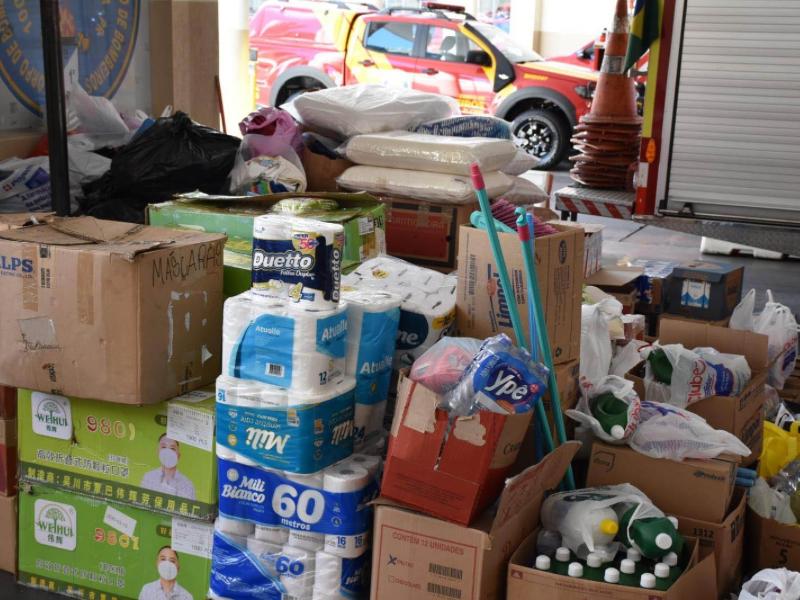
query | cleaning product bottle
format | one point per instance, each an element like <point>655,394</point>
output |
<point>575,570</point>
<point>660,366</point>
<point>581,521</point>
<point>594,567</point>
<point>652,536</point>
<point>671,560</point>
<point>636,556</point>
<point>611,575</point>
<point>563,557</point>
<point>542,563</point>
<point>647,581</point>
<point>663,579</point>
<point>612,414</point>
<point>627,575</point>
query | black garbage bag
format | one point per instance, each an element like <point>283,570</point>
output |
<point>174,155</point>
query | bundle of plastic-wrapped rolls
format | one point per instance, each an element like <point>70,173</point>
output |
<point>294,516</point>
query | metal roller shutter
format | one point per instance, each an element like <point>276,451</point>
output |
<point>736,139</point>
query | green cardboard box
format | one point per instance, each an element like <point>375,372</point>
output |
<point>124,453</point>
<point>362,216</point>
<point>99,550</point>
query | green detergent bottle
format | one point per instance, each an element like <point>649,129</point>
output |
<point>612,414</point>
<point>652,536</point>
<point>660,366</point>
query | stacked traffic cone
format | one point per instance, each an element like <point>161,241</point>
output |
<point>607,139</point>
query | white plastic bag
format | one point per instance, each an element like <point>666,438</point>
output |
<point>627,357</point>
<point>25,185</point>
<point>778,323</point>
<point>258,174</point>
<point>404,183</point>
<point>769,503</point>
<point>423,152</point>
<point>96,118</point>
<point>622,389</point>
<point>772,584</point>
<point>355,109</point>
<point>596,349</point>
<point>666,431</point>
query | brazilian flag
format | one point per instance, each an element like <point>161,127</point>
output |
<point>645,30</point>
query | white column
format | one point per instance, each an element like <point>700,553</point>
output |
<point>524,21</point>
<point>234,61</point>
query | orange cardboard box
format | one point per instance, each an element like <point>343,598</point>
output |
<point>725,540</point>
<point>741,415</point>
<point>481,304</point>
<point>449,471</point>
<point>420,557</point>
<point>770,544</point>
<point>706,485</point>
<point>527,583</point>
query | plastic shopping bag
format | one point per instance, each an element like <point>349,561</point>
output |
<point>772,584</point>
<point>610,408</point>
<point>443,364</point>
<point>24,185</point>
<point>596,346</point>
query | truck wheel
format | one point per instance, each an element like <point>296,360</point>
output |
<point>544,134</point>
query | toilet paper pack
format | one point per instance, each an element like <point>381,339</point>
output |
<point>300,432</point>
<point>428,305</point>
<point>373,316</point>
<point>273,342</point>
<point>264,543</point>
<point>298,259</point>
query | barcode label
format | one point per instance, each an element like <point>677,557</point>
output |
<point>445,571</point>
<point>274,369</point>
<point>443,590</point>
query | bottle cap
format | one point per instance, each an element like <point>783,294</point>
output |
<point>627,566</point>
<point>575,569</point>
<point>671,560</point>
<point>562,554</point>
<point>674,521</point>
<point>543,562</point>
<point>661,570</point>
<point>664,541</point>
<point>648,581</point>
<point>634,554</point>
<point>611,575</point>
<point>594,560</point>
<point>617,432</point>
<point>609,527</point>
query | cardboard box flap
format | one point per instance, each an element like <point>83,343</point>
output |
<point>16,220</point>
<point>693,334</point>
<point>523,494</point>
<point>615,276</point>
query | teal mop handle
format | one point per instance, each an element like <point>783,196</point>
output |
<point>544,340</point>
<point>505,281</point>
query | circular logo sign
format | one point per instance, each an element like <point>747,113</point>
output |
<point>98,39</point>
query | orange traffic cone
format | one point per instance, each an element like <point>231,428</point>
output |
<point>607,139</point>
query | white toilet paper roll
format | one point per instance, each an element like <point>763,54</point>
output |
<point>328,574</point>
<point>341,478</point>
<point>299,576</point>
<point>225,453</point>
<point>371,463</point>
<point>269,341</point>
<point>306,540</point>
<point>298,260</point>
<point>266,552</point>
<point>234,526</point>
<point>275,535</point>
<point>373,316</point>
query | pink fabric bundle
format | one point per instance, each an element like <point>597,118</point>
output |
<point>505,212</point>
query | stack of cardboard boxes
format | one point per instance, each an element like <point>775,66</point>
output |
<point>116,494</point>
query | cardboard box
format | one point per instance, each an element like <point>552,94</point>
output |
<point>654,284</point>
<point>526,583</point>
<point>741,415</point>
<point>20,142</point>
<point>770,544</point>
<point>8,457</point>
<point>8,533</point>
<point>362,217</point>
<point>321,171</point>
<point>450,471</point>
<point>89,547</point>
<point>17,220</point>
<point>416,556</point>
<point>725,540</point>
<point>592,246</point>
<point>112,451</point>
<point>8,402</point>
<point>620,282</point>
<point>706,485</point>
<point>426,233</point>
<point>704,290</point>
<point>481,305</point>
<point>109,310</point>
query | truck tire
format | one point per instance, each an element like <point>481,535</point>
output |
<point>544,134</point>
